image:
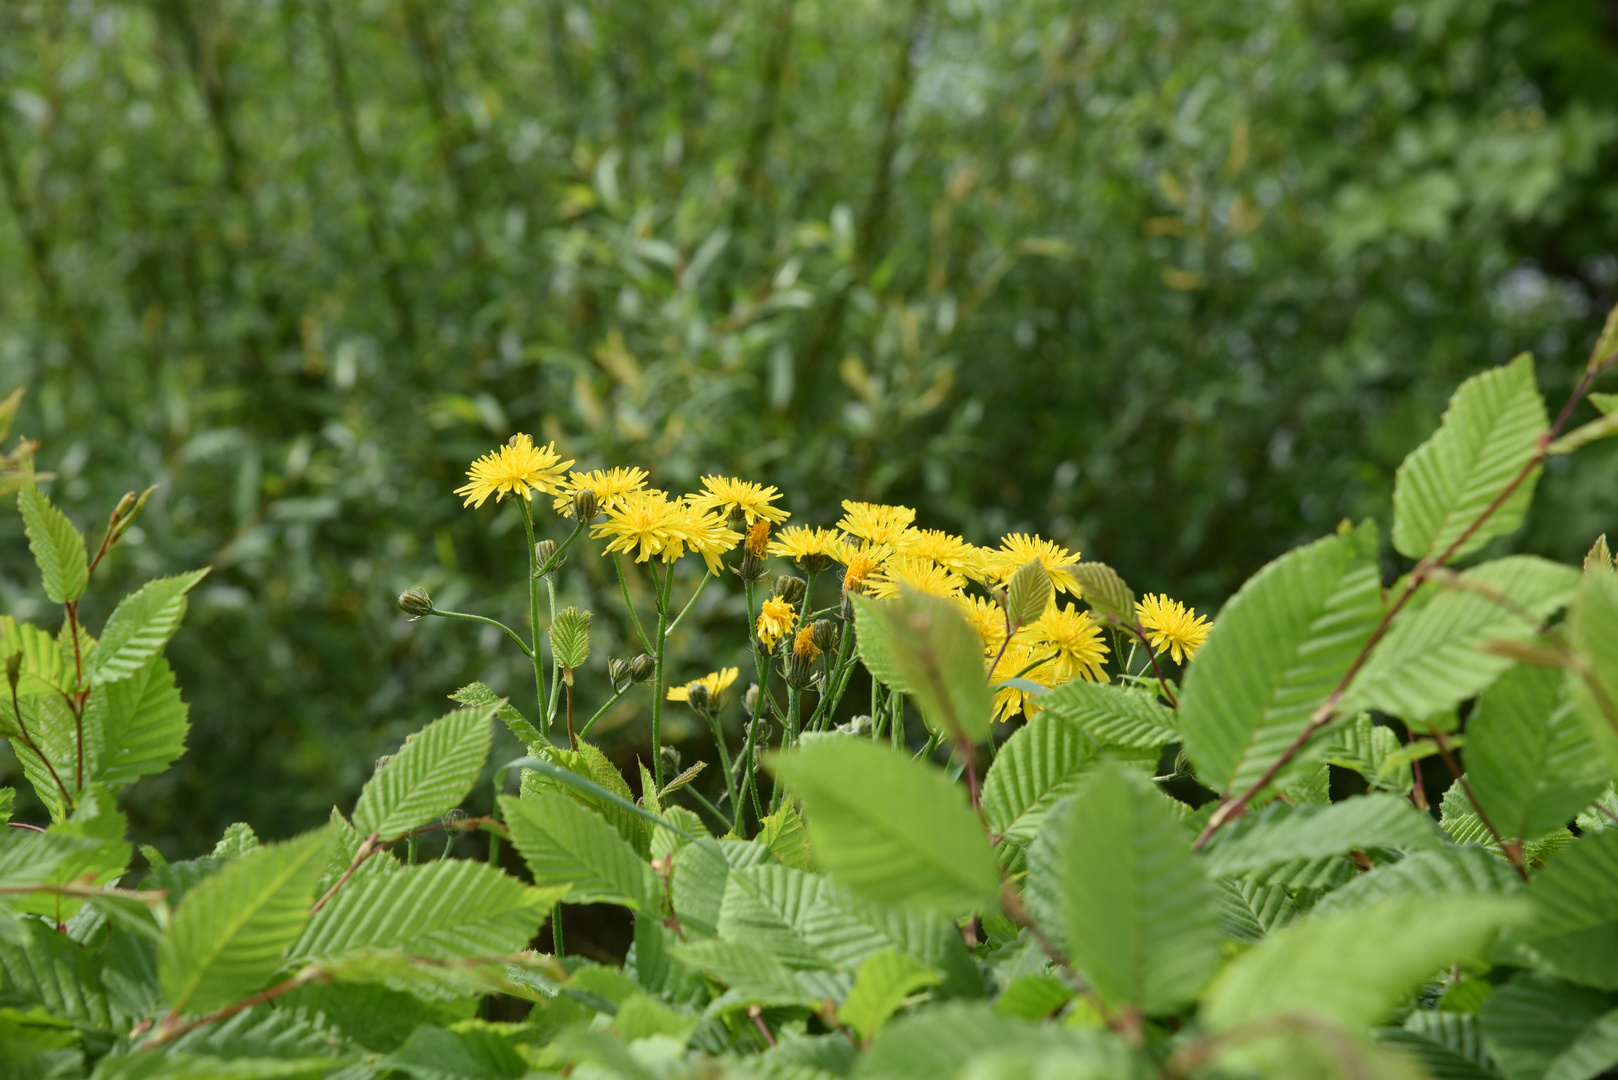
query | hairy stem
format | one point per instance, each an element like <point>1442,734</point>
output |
<point>533,618</point>
<point>469,617</point>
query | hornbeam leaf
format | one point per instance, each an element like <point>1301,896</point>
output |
<point>57,546</point>
<point>139,627</point>
<point>432,772</point>
<point>565,844</point>
<point>1574,934</point>
<point>1040,764</point>
<point>1488,436</point>
<point>1104,590</point>
<point>1309,832</point>
<point>1593,631</point>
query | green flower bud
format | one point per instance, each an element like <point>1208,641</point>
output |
<point>671,760</point>
<point>750,701</point>
<point>415,602</point>
<point>14,669</point>
<point>751,568</point>
<point>585,506</point>
<point>544,551</point>
<point>617,671</point>
<point>825,634</point>
<point>789,588</point>
<point>643,667</point>
<point>698,696</point>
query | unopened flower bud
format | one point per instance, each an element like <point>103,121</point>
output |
<point>617,670</point>
<point>825,634</point>
<point>643,667</point>
<point>737,519</point>
<point>671,759</point>
<point>750,568</point>
<point>813,562</point>
<point>415,602</point>
<point>789,588</point>
<point>585,505</point>
<point>14,669</point>
<point>544,552</point>
<point>750,700</point>
<point>698,696</point>
<point>452,818</point>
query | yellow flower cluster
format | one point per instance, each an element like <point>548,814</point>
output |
<point>879,547</point>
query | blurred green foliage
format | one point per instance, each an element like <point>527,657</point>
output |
<point>1175,283</point>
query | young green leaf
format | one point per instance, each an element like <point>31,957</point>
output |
<point>565,844</point>
<point>139,627</point>
<point>48,969</point>
<point>1599,557</point>
<point>1249,911</point>
<point>232,931</point>
<point>1352,968</point>
<point>431,773</point>
<point>939,658</point>
<point>589,762</point>
<point>783,833</point>
<point>476,694</point>
<point>1114,715</point>
<point>1488,436</point>
<point>1430,660</point>
<point>1028,593</point>
<point>1593,630</point>
<point>1041,763</point>
<point>138,724</point>
<point>1574,934</point>
<point>891,829</point>
<point>57,546</point>
<point>881,986</point>
<point>570,637</point>
<point>1311,831</point>
<point>1104,590</point>
<point>1277,651</point>
<point>1139,919</point>
<point>445,910</point>
<point>1528,757</point>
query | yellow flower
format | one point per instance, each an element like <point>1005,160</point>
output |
<point>1019,549</point>
<point>706,534</point>
<point>1170,625</point>
<point>609,487</point>
<point>923,575</point>
<point>1009,700</point>
<point>1081,650</point>
<point>774,620</point>
<point>804,649</point>
<point>802,544</point>
<point>725,495</point>
<point>988,619</point>
<point>945,549</point>
<point>758,538</point>
<point>641,523</point>
<point>875,523</point>
<point>715,681</point>
<point>861,565</point>
<point>517,468</point>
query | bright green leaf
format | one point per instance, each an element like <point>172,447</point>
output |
<point>1042,762</point>
<point>881,986</point>
<point>1530,1022</point>
<point>430,774</point>
<point>139,627</point>
<point>939,659</point>
<point>1311,831</point>
<point>1114,715</point>
<point>1574,934</point>
<point>565,844</point>
<point>57,546</point>
<point>1592,629</point>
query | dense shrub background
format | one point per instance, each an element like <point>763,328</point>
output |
<point>1175,283</point>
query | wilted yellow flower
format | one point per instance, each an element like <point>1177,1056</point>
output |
<point>1170,625</point>
<point>1081,649</point>
<point>706,534</point>
<point>758,538</point>
<point>641,522</point>
<point>1019,549</point>
<point>517,468</point>
<point>775,619</point>
<point>875,523</point>
<point>923,575</point>
<point>608,486</point>
<point>1009,700</point>
<point>723,494</point>
<point>945,549</point>
<point>804,649</point>
<point>861,565</point>
<point>801,543</point>
<point>715,681</point>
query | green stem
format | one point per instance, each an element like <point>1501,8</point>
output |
<point>533,617</point>
<point>629,605</point>
<point>659,677</point>
<point>588,724</point>
<point>494,812</point>
<point>410,849</point>
<point>897,726</point>
<point>724,756</point>
<point>469,617</point>
<point>703,584</point>
<point>749,757</point>
<point>706,805</point>
<point>790,738</point>
<point>836,683</point>
<point>556,556</point>
<point>557,949</point>
<point>556,664</point>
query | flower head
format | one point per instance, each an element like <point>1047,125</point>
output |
<point>1081,650</point>
<point>1016,660</point>
<point>1171,625</point>
<point>1019,549</point>
<point>641,523</point>
<point>758,538</point>
<point>804,649</point>
<point>775,619</point>
<point>988,619</point>
<point>923,575</point>
<point>875,523</point>
<point>608,486</point>
<point>945,549</point>
<point>728,496</point>
<point>811,548</point>
<point>715,681</point>
<point>706,534</point>
<point>861,565</point>
<point>517,468</point>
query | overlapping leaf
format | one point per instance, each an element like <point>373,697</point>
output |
<point>565,844</point>
<point>57,546</point>
<point>139,627</point>
<point>1310,832</point>
<point>1114,715</point>
<point>1041,763</point>
<point>431,773</point>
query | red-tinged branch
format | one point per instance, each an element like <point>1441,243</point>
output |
<point>68,888</point>
<point>367,848</point>
<point>173,1027</point>
<point>1511,849</point>
<point>371,845</point>
<point>28,740</point>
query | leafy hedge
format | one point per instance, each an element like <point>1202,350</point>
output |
<point>1069,904</point>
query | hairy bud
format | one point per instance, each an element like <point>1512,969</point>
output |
<point>643,667</point>
<point>14,669</point>
<point>415,602</point>
<point>544,552</point>
<point>789,588</point>
<point>698,696</point>
<point>454,817</point>
<point>671,759</point>
<point>825,634</point>
<point>750,568</point>
<point>585,506</point>
<point>617,671</point>
<point>750,701</point>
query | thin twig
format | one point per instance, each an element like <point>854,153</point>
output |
<point>1511,849</point>
<point>171,1029</point>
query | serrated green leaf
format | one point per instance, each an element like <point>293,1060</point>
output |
<point>1105,592</point>
<point>100,858</point>
<point>1028,593</point>
<point>589,762</point>
<point>881,986</point>
<point>1529,760</point>
<point>765,906</point>
<point>752,974</point>
<point>446,910</point>
<point>783,833</point>
<point>1430,660</point>
<point>1446,1045</point>
<point>1574,934</point>
<point>1311,831</point>
<point>1599,557</point>
<point>431,773</point>
<point>1528,1023</point>
<point>1592,629</point>
<point>570,637</point>
<point>156,1065</point>
<point>1276,653</point>
<point>47,969</point>
<point>477,1054</point>
<point>232,930</point>
<point>1034,997</point>
<point>565,844</point>
<point>891,829</point>
<point>137,726</point>
<point>1488,436</point>
<point>1114,715</point>
<point>57,546</point>
<point>939,659</point>
<point>476,695</point>
<point>265,1031</point>
<point>1366,748</point>
<point>1465,870</point>
<point>1041,763</point>
<point>52,730</point>
<point>139,627</point>
<point>1139,919</point>
<point>46,667</point>
<point>875,650</point>
<point>1591,1055</point>
<point>1249,911</point>
<point>1353,967</point>
<point>701,874</point>
<point>979,1042</point>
